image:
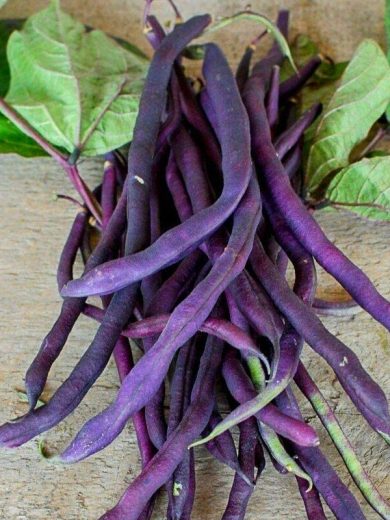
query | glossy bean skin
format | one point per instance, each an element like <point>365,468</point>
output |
<point>301,223</point>
<point>94,360</point>
<point>69,252</point>
<point>241,491</point>
<point>54,341</point>
<point>171,453</point>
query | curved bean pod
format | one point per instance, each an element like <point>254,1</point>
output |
<point>241,491</point>
<point>94,360</point>
<point>291,85</point>
<point>220,328</point>
<point>184,322</point>
<point>177,242</point>
<point>69,251</point>
<point>171,453</point>
<point>340,308</point>
<point>301,223</point>
<point>311,500</point>
<point>71,309</point>
<point>290,137</point>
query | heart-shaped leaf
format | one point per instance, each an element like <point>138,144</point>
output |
<point>79,89</point>
<point>12,140</point>
<point>364,188</point>
<point>360,99</point>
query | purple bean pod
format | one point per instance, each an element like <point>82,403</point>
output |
<point>154,410</point>
<point>290,137</point>
<point>164,300</point>
<point>208,109</point>
<point>119,164</point>
<point>292,85</point>
<point>196,117</point>
<point>259,460</point>
<point>302,224</point>
<point>122,351</point>
<point>92,363</point>
<point>293,168</point>
<point>305,273</point>
<point>179,492</point>
<point>71,309</point>
<point>69,252</point>
<point>181,279</point>
<point>223,447</point>
<point>220,328</point>
<point>311,500</point>
<point>171,453</point>
<point>272,100</point>
<point>186,513</point>
<point>108,201</point>
<point>177,242</point>
<point>243,68</point>
<point>179,193</point>
<point>185,320</point>
<point>241,491</point>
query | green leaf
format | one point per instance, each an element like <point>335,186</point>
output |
<point>364,188</point>
<point>12,140</point>
<point>5,31</point>
<point>358,102</point>
<point>78,89</point>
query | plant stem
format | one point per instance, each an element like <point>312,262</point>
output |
<point>72,171</point>
<point>27,129</point>
<point>359,205</point>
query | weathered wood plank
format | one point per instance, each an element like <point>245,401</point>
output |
<point>32,229</point>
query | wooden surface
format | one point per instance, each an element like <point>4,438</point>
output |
<point>32,230</point>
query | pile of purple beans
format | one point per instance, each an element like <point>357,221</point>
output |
<point>197,229</point>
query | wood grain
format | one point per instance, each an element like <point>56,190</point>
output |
<point>32,229</point>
